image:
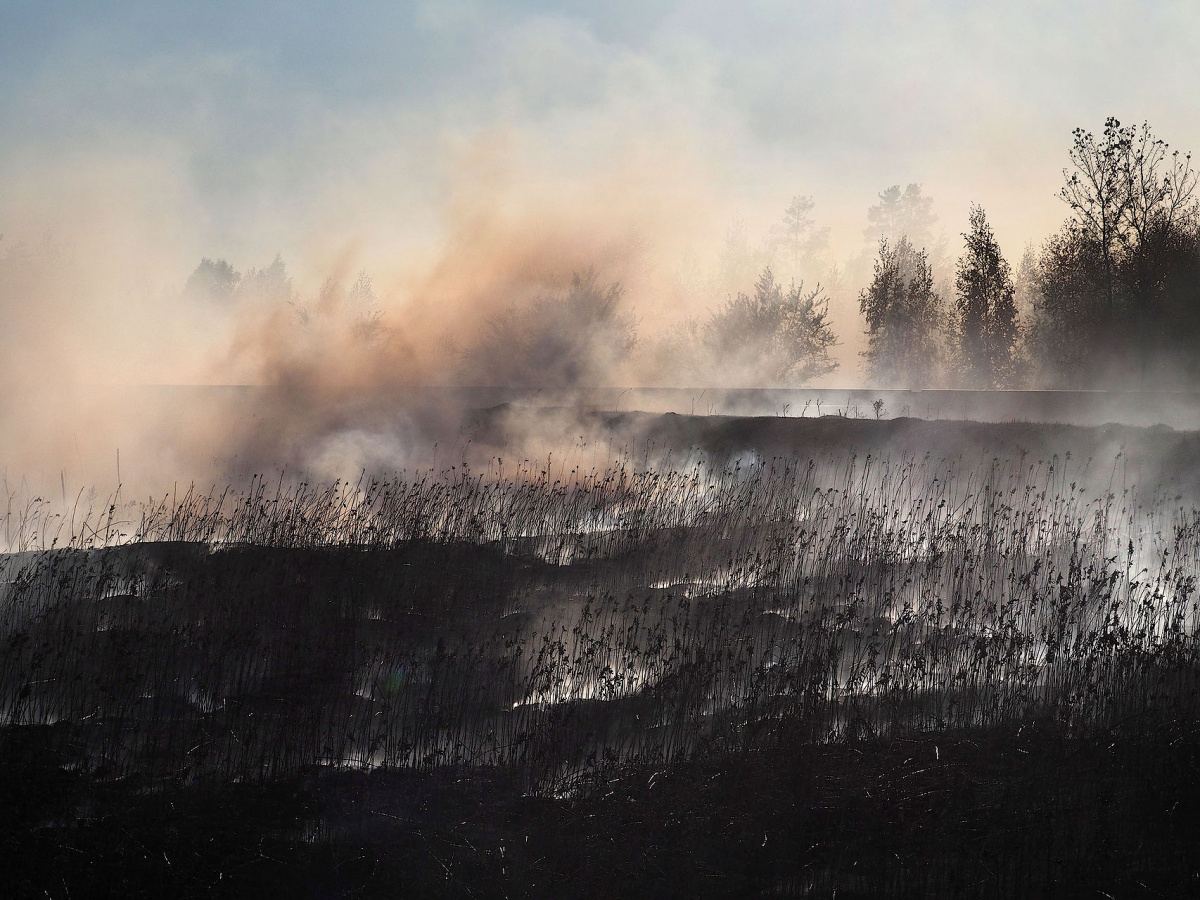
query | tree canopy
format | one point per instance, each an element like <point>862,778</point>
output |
<point>783,337</point>
<point>1119,284</point>
<point>896,215</point>
<point>986,307</point>
<point>904,317</point>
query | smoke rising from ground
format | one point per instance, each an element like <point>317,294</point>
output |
<point>473,160</point>
<point>533,279</point>
<point>99,306</point>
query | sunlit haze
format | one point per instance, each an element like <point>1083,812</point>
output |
<point>469,156</point>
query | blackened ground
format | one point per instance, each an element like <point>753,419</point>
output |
<point>185,793</point>
<point>1020,812</point>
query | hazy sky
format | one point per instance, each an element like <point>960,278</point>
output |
<point>258,123</point>
<point>463,152</point>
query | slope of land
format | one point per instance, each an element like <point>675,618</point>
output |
<point>781,657</point>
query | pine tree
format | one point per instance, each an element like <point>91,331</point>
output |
<point>904,317</point>
<point>987,311</point>
<point>896,215</point>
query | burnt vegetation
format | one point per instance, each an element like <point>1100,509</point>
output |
<point>790,657</point>
<point>898,675</point>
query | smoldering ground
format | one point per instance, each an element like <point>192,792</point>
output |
<point>331,359</point>
<point>474,286</point>
<point>339,361</point>
<point>322,364</point>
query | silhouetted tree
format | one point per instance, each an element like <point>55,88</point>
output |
<point>1097,192</point>
<point>1118,287</point>
<point>218,280</point>
<point>356,310</point>
<point>574,338</point>
<point>1122,187</point>
<point>1162,276</point>
<point>1071,312</point>
<point>904,316</point>
<point>987,312</point>
<point>212,280</point>
<point>797,234</point>
<point>1160,268</point>
<point>897,215</point>
<point>271,284</point>
<point>1161,185</point>
<point>772,336</point>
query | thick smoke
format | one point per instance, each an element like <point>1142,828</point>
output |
<point>322,363</point>
<point>124,360</point>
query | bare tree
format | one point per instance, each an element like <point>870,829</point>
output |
<point>1118,281</point>
<point>1121,186</point>
<point>1160,183</point>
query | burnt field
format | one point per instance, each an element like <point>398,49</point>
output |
<point>645,655</point>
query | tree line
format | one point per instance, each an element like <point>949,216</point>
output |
<point>1112,299</point>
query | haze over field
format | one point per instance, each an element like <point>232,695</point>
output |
<point>471,158</point>
<point>536,448</point>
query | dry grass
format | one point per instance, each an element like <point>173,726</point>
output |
<point>564,622</point>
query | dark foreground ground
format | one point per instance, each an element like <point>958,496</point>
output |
<point>172,715</point>
<point>1017,812</point>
